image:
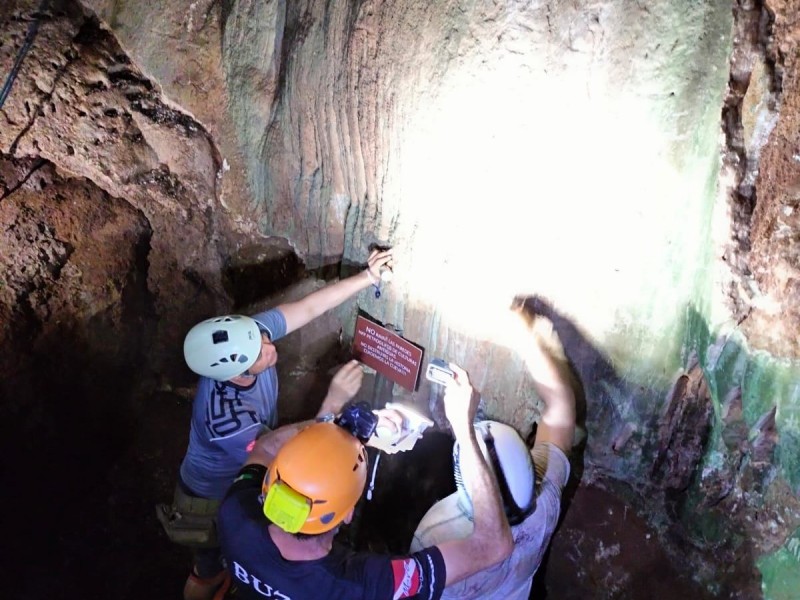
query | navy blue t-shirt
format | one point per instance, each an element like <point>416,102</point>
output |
<point>260,571</point>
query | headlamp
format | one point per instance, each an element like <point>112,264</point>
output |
<point>359,420</point>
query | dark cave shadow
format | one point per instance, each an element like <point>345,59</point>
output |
<point>95,448</point>
<point>250,283</point>
<point>73,413</point>
<point>407,484</point>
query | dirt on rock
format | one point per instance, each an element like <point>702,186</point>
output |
<point>604,550</point>
<point>774,258</point>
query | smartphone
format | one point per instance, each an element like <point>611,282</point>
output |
<point>439,372</point>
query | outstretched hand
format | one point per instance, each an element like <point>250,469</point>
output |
<point>537,334</point>
<point>390,422</point>
<point>378,264</point>
<point>344,385</point>
<point>530,307</point>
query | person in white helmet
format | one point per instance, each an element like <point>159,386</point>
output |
<point>236,402</point>
<point>530,481</point>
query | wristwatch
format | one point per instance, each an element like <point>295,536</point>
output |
<point>326,418</point>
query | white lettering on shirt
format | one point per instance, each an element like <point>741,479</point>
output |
<point>405,585</point>
<point>259,586</point>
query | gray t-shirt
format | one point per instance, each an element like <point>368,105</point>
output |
<point>226,418</point>
<point>511,579</point>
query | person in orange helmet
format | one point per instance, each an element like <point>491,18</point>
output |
<point>278,521</point>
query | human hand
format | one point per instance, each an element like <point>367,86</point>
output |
<point>390,422</point>
<point>528,308</point>
<point>344,385</point>
<point>379,265</point>
<point>460,400</point>
<point>394,432</point>
<point>535,313</point>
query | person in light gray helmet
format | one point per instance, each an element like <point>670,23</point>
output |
<point>530,481</point>
<point>236,402</point>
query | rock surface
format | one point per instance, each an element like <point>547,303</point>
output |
<point>762,130</point>
<point>775,255</point>
<point>81,105</point>
<point>162,161</point>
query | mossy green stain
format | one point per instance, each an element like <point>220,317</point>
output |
<point>780,571</point>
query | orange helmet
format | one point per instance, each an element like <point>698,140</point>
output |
<point>315,479</point>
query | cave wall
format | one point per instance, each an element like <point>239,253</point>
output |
<point>82,106</point>
<point>567,149</point>
<point>57,271</point>
<point>751,352</point>
<point>76,326</point>
<point>108,253</point>
<point>774,255</point>
<point>382,116</point>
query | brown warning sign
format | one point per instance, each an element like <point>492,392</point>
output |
<point>389,354</point>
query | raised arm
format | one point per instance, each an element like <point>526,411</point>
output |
<point>491,541</point>
<point>307,309</point>
<point>550,378</point>
<point>344,385</point>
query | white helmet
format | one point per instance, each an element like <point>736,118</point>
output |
<point>510,462</point>
<point>222,347</point>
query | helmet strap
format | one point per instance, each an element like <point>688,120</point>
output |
<point>514,513</point>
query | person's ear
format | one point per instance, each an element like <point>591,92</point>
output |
<point>349,516</point>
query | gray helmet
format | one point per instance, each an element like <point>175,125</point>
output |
<point>222,347</point>
<point>510,462</point>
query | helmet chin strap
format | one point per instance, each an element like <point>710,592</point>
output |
<point>514,512</point>
<point>247,372</point>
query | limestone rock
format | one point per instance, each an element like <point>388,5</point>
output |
<point>81,105</point>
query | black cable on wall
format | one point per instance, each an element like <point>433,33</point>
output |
<point>33,29</point>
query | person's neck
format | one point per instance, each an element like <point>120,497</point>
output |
<point>242,380</point>
<point>292,548</point>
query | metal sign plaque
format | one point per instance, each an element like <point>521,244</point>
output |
<point>389,354</point>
